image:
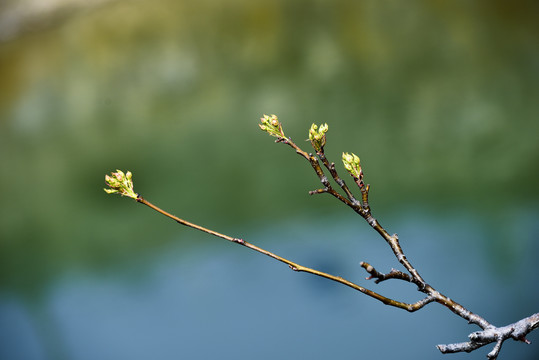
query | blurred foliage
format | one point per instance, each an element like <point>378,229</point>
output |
<point>439,99</point>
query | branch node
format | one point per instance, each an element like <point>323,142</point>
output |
<point>318,191</point>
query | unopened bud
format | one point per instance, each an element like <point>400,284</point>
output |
<point>317,136</point>
<point>352,164</point>
<point>120,183</point>
<point>272,126</point>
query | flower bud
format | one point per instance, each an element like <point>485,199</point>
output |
<point>272,126</point>
<point>352,164</point>
<point>317,136</point>
<point>120,183</point>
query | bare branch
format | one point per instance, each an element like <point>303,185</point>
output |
<point>294,266</point>
<point>375,274</point>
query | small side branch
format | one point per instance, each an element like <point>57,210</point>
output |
<point>294,266</point>
<point>375,274</point>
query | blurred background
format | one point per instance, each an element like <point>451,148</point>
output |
<point>439,99</point>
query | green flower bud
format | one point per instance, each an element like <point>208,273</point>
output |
<point>317,136</point>
<point>272,126</point>
<point>352,164</point>
<point>120,183</point>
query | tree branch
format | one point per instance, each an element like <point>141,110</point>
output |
<point>294,266</point>
<point>122,184</point>
<point>351,162</point>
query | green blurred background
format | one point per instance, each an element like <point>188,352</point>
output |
<point>439,99</point>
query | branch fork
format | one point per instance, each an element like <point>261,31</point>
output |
<point>516,331</point>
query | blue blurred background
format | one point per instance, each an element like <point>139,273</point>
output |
<point>439,99</point>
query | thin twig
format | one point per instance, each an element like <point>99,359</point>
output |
<point>375,274</point>
<point>294,266</point>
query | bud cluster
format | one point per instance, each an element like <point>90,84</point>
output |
<point>272,126</point>
<point>317,136</point>
<point>352,165</point>
<point>120,183</point>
